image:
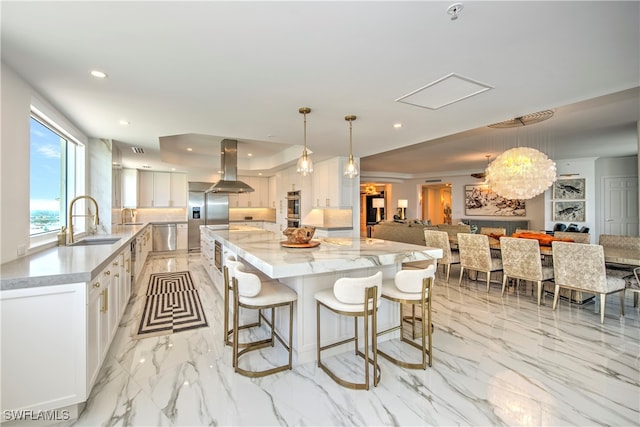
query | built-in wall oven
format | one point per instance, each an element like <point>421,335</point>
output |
<point>293,209</point>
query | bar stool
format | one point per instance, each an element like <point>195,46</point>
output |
<point>354,297</point>
<point>230,263</point>
<point>250,292</point>
<point>412,287</point>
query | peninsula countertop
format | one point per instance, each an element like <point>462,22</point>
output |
<point>263,250</point>
<point>65,264</point>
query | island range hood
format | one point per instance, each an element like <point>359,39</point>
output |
<point>229,162</point>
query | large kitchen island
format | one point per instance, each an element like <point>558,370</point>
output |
<point>309,270</point>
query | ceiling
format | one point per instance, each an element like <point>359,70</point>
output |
<point>189,74</point>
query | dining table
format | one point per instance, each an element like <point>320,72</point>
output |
<point>612,254</point>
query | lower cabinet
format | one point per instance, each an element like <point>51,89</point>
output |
<point>55,338</point>
<point>44,347</point>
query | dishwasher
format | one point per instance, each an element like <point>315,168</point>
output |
<point>164,237</point>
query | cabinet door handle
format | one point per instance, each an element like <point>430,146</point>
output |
<point>104,301</point>
<point>96,285</point>
<point>128,265</point>
<point>107,273</point>
<point>115,264</point>
<point>116,275</point>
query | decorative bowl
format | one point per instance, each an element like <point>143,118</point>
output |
<point>299,235</point>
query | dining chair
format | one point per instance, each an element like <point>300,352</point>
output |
<point>573,235</point>
<point>249,292</point>
<point>622,242</point>
<point>475,254</point>
<point>440,239</point>
<point>521,261</point>
<point>354,297</point>
<point>412,287</point>
<point>580,266</point>
<point>493,231</point>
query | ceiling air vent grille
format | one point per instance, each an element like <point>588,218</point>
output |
<point>137,150</point>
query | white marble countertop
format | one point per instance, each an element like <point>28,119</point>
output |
<point>65,264</point>
<point>262,249</point>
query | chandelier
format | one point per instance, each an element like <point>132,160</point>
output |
<point>521,173</point>
<point>305,165</point>
<point>351,168</point>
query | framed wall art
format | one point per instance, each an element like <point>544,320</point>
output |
<point>569,189</point>
<point>569,211</point>
<point>480,200</point>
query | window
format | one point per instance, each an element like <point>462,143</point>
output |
<point>52,176</point>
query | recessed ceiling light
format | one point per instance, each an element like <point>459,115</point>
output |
<point>173,169</point>
<point>397,125</point>
<point>249,154</point>
<point>124,122</point>
<point>99,74</point>
<point>260,173</point>
<point>189,149</point>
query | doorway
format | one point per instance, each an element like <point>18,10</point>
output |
<point>436,203</point>
<point>620,207</point>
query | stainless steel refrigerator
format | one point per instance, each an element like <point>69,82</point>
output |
<point>205,209</point>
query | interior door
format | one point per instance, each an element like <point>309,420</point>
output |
<point>620,206</point>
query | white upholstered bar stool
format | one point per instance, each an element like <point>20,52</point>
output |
<point>249,292</point>
<point>412,287</point>
<point>355,297</point>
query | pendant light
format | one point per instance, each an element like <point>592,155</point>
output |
<point>305,165</point>
<point>351,168</point>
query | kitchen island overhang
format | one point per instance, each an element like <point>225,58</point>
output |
<point>309,270</point>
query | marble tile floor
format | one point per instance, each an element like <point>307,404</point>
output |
<point>497,361</point>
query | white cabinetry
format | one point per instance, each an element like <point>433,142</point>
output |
<point>330,187</point>
<point>178,190</point>
<point>55,338</point>
<point>161,189</point>
<point>129,179</point>
<point>43,340</point>
<point>259,198</point>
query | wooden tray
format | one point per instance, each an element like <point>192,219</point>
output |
<point>310,244</point>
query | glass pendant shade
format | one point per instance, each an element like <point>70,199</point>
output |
<point>521,173</point>
<point>305,165</point>
<point>351,168</point>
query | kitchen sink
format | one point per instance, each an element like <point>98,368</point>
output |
<point>97,241</point>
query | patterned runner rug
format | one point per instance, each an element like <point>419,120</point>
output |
<point>172,305</point>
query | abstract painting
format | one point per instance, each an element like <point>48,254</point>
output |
<point>480,200</point>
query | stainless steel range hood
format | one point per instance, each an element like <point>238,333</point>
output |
<point>229,162</point>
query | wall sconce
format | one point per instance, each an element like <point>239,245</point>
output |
<point>402,207</point>
<point>378,203</point>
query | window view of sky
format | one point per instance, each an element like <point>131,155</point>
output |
<point>45,168</point>
<point>46,171</point>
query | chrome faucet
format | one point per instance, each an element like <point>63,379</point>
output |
<point>96,219</point>
<point>132,215</point>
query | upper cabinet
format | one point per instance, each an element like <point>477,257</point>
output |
<point>259,198</point>
<point>331,189</point>
<point>129,179</point>
<point>162,190</point>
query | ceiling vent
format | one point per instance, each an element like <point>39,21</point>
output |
<point>137,150</point>
<point>444,91</point>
